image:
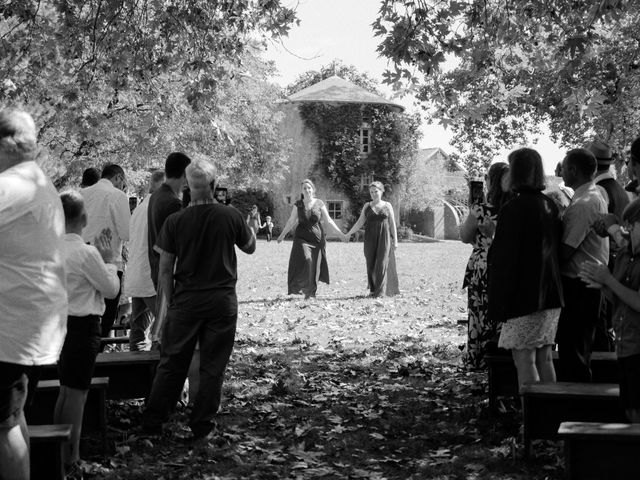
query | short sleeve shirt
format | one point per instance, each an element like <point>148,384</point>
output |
<point>203,238</point>
<point>162,203</point>
<point>585,209</point>
<point>33,298</point>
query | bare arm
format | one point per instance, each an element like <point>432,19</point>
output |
<point>329,220</point>
<point>394,230</point>
<point>600,274</point>
<point>165,274</point>
<point>469,228</point>
<point>293,220</point>
<point>358,225</point>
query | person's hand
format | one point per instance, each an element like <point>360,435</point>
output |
<point>487,228</point>
<point>594,274</point>
<point>103,243</point>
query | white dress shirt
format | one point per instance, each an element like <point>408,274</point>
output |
<point>89,279</point>
<point>33,298</point>
<point>107,207</point>
<point>137,280</point>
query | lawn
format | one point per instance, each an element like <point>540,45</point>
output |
<point>342,386</point>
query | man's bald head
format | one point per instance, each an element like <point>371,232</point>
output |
<point>18,138</point>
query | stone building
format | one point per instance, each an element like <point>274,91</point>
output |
<point>303,157</point>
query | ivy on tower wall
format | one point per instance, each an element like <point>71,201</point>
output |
<point>337,128</point>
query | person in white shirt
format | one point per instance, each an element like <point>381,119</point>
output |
<point>33,300</point>
<point>90,278</point>
<point>108,208</point>
<point>137,281</point>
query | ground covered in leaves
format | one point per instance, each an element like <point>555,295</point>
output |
<point>342,386</point>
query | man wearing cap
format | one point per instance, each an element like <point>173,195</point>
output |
<point>617,199</point>
<point>33,297</point>
<point>614,194</point>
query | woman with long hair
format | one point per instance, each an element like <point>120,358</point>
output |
<point>478,229</point>
<point>525,289</point>
<point>308,259</point>
<point>380,243</point>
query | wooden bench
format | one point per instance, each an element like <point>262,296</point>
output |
<point>41,410</point>
<point>46,451</point>
<point>130,373</point>
<point>503,378</point>
<point>601,450</point>
<point>547,405</point>
<point>121,340</point>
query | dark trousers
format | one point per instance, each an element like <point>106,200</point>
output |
<point>110,311</point>
<point>216,333</point>
<point>576,329</point>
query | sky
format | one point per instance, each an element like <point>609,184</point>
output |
<point>341,29</point>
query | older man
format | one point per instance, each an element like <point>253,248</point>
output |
<point>33,299</point>
<point>108,208</point>
<point>198,274</point>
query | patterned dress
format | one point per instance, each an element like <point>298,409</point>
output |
<point>481,330</point>
<point>308,260</point>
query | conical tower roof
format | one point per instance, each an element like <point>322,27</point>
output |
<point>338,90</point>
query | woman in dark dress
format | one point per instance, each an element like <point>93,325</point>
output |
<point>308,260</point>
<point>380,242</point>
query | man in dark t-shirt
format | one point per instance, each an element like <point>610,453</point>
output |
<point>163,202</point>
<point>198,274</point>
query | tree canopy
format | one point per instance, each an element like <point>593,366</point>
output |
<point>126,81</point>
<point>493,70</point>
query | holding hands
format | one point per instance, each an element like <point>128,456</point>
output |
<point>595,275</point>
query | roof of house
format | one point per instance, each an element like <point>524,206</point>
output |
<point>428,154</point>
<point>338,90</point>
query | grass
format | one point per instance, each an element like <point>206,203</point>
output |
<point>343,386</point>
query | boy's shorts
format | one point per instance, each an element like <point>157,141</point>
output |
<point>79,352</point>
<point>629,378</point>
<point>17,386</point>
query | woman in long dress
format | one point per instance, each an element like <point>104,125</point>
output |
<point>478,229</point>
<point>308,259</point>
<point>253,219</point>
<point>380,242</point>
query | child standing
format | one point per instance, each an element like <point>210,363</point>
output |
<point>268,226</point>
<point>90,278</point>
<point>623,287</point>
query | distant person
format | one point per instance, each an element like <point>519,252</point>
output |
<point>90,176</point>
<point>624,286</point>
<point>253,219</point>
<point>308,259</point>
<point>580,243</point>
<point>33,299</point>
<point>200,283</point>
<point>478,230</point>
<point>633,168</point>
<point>525,287</point>
<point>108,209</point>
<point>380,243</point>
<point>268,227</point>
<point>91,277</point>
<point>137,282</point>
<point>561,195</point>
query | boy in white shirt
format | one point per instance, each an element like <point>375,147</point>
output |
<point>90,278</point>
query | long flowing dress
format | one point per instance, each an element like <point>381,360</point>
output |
<point>382,276</point>
<point>254,222</point>
<point>481,331</point>
<point>308,260</point>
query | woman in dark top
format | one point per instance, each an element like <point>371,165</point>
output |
<point>525,291</point>
<point>308,260</point>
<point>478,229</point>
<point>380,242</point>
